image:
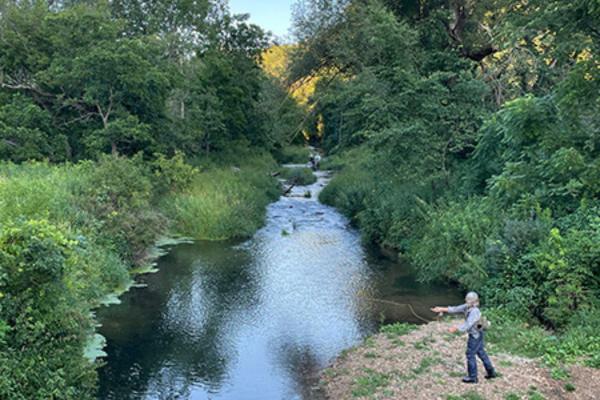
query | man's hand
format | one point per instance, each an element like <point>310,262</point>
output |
<point>439,310</point>
<point>453,329</point>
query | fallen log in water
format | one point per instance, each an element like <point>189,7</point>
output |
<point>289,189</point>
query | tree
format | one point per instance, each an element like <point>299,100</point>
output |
<point>26,132</point>
<point>76,65</point>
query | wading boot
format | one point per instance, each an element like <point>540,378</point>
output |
<point>491,375</point>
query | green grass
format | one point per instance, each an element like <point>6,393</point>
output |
<point>298,176</point>
<point>369,342</point>
<point>39,191</point>
<point>110,213</point>
<point>425,364</point>
<point>423,344</point>
<point>569,387</point>
<point>398,329</point>
<point>222,203</point>
<point>580,340</point>
<point>369,383</point>
<point>293,155</point>
<point>535,396</point>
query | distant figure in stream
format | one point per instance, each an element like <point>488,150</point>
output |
<point>475,325</point>
<point>315,160</point>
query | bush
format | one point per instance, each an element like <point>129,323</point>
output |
<point>117,193</point>
<point>292,155</point>
<point>544,271</point>
<point>368,192</point>
<point>580,339</point>
<point>222,203</point>
<point>172,174</point>
<point>41,191</point>
<point>451,243</point>
<point>43,326</point>
<point>298,176</point>
<point>68,235</point>
<point>347,190</point>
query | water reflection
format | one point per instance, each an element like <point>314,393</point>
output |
<point>254,320</point>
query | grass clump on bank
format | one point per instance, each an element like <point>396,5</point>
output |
<point>298,176</point>
<point>222,203</point>
<point>369,383</point>
<point>292,155</point>
<point>579,341</point>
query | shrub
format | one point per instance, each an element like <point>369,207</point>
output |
<point>511,333</point>
<point>298,176</point>
<point>43,327</point>
<point>222,203</point>
<point>347,191</point>
<point>172,174</point>
<point>117,193</point>
<point>292,155</point>
<point>451,243</point>
<point>566,283</point>
<point>544,271</point>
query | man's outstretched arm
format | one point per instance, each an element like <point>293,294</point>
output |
<point>450,309</point>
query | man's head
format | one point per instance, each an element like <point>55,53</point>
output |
<point>472,299</point>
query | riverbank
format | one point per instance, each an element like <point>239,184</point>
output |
<point>81,232</point>
<point>425,362</point>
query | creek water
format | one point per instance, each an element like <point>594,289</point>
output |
<point>256,320</point>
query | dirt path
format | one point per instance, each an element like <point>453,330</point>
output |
<point>428,363</point>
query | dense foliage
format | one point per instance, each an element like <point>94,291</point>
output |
<point>77,80</point>
<point>468,138</point>
<point>71,234</point>
<point>120,122</point>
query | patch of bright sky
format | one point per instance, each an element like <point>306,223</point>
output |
<point>271,15</point>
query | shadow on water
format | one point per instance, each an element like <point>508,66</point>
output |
<point>257,319</point>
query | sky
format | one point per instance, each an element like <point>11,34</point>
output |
<point>271,15</point>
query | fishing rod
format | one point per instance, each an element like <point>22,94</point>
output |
<point>393,303</point>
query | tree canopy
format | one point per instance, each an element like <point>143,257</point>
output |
<point>469,132</point>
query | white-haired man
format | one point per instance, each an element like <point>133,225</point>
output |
<point>475,343</point>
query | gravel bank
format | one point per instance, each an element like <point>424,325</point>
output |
<point>428,363</point>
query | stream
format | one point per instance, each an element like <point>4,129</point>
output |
<point>258,319</point>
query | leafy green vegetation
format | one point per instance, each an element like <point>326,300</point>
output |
<point>466,135</point>
<point>298,176</point>
<point>579,340</point>
<point>118,125</point>
<point>425,364</point>
<point>70,234</point>
<point>222,203</point>
<point>294,154</point>
<point>369,383</point>
<point>397,329</point>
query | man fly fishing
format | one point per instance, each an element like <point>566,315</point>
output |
<point>475,326</point>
